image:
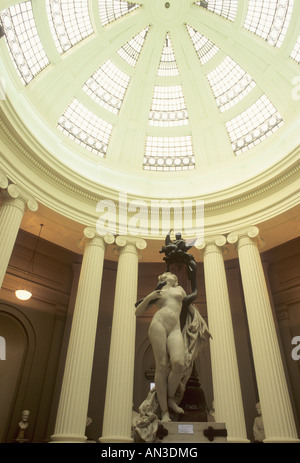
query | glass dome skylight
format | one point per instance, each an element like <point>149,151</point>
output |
<point>159,81</point>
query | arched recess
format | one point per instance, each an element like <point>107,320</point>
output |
<point>15,370</point>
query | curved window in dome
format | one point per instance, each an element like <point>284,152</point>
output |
<point>295,55</point>
<point>168,107</point>
<point>204,48</point>
<point>225,8</point>
<point>131,51</point>
<point>85,128</point>
<point>108,86</point>
<point>253,125</point>
<point>229,83</point>
<point>169,153</point>
<point>69,22</point>
<point>269,19</point>
<point>167,66</point>
<point>110,10</point>
<point>23,41</point>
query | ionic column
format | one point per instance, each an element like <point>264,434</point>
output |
<point>119,388</point>
<point>228,401</point>
<point>73,405</point>
<point>273,392</point>
<point>3,180</point>
<point>15,201</point>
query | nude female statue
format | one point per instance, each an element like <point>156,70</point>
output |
<point>166,339</point>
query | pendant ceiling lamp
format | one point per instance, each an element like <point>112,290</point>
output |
<point>25,289</point>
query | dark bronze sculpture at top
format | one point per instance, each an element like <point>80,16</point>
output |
<point>177,252</point>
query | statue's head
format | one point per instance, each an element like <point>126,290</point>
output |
<point>169,277</point>
<point>25,415</point>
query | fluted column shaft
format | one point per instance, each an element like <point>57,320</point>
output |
<point>273,392</point>
<point>119,389</point>
<point>15,201</point>
<point>228,401</point>
<point>73,405</point>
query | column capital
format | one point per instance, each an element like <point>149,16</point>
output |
<point>3,180</point>
<point>89,233</point>
<point>138,242</point>
<point>16,192</point>
<point>214,243</point>
<point>217,240</point>
<point>250,233</point>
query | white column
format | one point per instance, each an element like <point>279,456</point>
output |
<point>273,392</point>
<point>228,401</point>
<point>15,201</point>
<point>119,388</point>
<point>73,405</point>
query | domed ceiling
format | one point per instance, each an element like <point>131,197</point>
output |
<point>155,97</point>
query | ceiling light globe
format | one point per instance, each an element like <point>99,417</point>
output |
<point>23,294</point>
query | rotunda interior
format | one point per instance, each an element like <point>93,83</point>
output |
<point>121,123</point>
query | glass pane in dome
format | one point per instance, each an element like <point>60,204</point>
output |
<point>168,107</point>
<point>23,41</point>
<point>269,19</point>
<point>85,128</point>
<point>168,66</point>
<point>108,86</point>
<point>131,51</point>
<point>229,83</point>
<point>69,22</point>
<point>225,8</point>
<point>295,55</point>
<point>253,125</point>
<point>110,10</point>
<point>204,47</point>
<point>169,153</point>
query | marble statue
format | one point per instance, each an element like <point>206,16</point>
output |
<point>174,351</point>
<point>258,426</point>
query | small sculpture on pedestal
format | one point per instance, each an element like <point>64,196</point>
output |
<point>23,425</point>
<point>174,348</point>
<point>258,426</point>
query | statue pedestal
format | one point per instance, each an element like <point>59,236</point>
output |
<point>193,432</point>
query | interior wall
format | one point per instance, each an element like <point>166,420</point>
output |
<point>16,344</point>
<point>37,334</point>
<point>283,270</point>
<point>41,322</point>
